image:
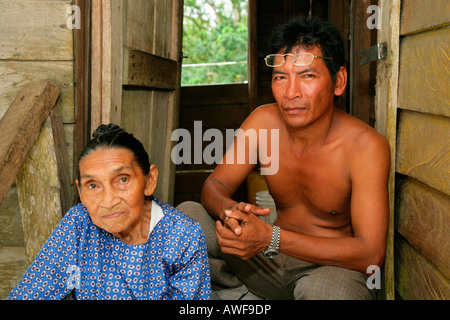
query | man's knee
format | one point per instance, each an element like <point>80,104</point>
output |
<point>193,209</point>
<point>333,283</point>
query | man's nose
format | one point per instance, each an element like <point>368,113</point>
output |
<point>109,198</point>
<point>294,89</point>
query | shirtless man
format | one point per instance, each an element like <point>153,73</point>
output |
<point>330,190</point>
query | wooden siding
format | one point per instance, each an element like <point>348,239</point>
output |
<point>422,217</point>
<point>35,44</point>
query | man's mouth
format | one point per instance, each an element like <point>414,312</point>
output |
<point>295,110</point>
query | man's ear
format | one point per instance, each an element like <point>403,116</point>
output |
<point>152,179</point>
<point>341,81</point>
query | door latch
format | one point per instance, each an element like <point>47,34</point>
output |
<point>374,53</point>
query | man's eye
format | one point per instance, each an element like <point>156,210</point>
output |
<point>123,179</point>
<point>92,186</point>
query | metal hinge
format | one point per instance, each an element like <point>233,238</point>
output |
<point>374,53</point>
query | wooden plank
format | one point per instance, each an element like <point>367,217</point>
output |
<point>424,65</point>
<point>42,187</point>
<point>136,114</point>
<point>423,149</point>
<point>139,21</point>
<point>15,75</point>
<point>81,74</point>
<point>386,117</point>
<point>147,70</point>
<point>214,95</point>
<point>419,15</point>
<point>21,125</point>
<point>422,218</point>
<point>173,51</point>
<point>35,30</point>
<point>359,76</point>
<point>415,277</point>
<point>96,64</point>
<point>158,142</point>
<point>214,116</point>
<point>106,62</point>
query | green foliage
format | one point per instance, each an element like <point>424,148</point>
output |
<point>214,31</point>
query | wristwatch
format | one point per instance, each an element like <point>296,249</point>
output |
<point>272,250</point>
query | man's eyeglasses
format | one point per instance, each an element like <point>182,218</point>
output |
<point>300,59</point>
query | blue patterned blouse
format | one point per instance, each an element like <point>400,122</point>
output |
<point>94,264</point>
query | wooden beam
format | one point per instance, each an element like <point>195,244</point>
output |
<point>20,127</point>
<point>386,116</point>
<point>147,70</point>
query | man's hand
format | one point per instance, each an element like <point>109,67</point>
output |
<point>233,219</point>
<point>243,233</point>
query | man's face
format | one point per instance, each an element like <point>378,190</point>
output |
<point>113,188</point>
<point>303,93</point>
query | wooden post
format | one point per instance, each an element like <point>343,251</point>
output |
<point>43,186</point>
<point>386,116</point>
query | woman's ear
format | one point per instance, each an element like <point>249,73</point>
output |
<point>151,180</point>
<point>341,81</point>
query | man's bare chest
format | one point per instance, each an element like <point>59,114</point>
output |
<point>318,182</point>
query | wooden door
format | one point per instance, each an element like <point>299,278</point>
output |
<point>136,50</point>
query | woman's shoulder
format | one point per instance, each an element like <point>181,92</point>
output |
<point>177,218</point>
<point>77,214</point>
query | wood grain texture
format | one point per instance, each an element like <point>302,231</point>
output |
<point>42,190</point>
<point>424,70</point>
<point>420,15</point>
<point>415,277</point>
<point>21,125</point>
<point>423,149</point>
<point>35,30</point>
<point>422,218</point>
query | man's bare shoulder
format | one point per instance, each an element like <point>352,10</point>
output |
<point>358,132</point>
<point>361,139</point>
<point>265,116</point>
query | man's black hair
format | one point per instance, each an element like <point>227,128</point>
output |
<point>308,32</point>
<point>112,136</point>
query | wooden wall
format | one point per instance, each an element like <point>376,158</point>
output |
<point>422,217</point>
<point>35,44</point>
<point>135,75</point>
<point>216,106</point>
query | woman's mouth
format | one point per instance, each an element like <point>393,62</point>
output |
<point>113,215</point>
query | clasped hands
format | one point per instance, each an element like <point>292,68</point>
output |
<point>242,232</point>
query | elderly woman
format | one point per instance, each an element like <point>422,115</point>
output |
<point>120,242</point>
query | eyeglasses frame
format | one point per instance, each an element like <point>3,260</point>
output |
<point>293,59</point>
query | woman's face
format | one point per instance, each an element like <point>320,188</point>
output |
<point>113,187</point>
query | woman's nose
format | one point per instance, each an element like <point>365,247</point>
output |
<point>109,198</point>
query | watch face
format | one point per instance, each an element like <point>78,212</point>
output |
<point>270,253</point>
